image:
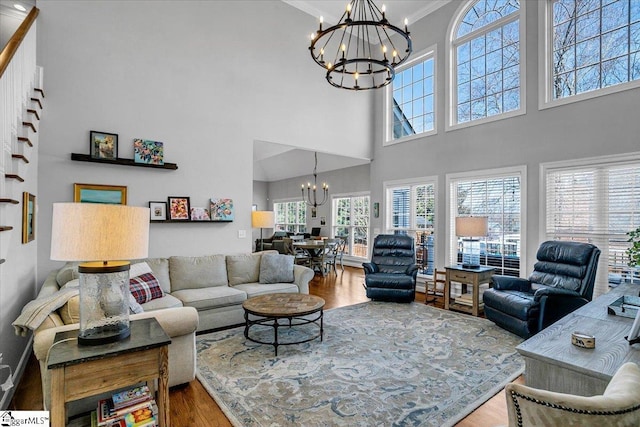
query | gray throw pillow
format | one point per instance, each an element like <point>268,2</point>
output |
<point>276,268</point>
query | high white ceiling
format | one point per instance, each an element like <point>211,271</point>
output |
<point>273,161</point>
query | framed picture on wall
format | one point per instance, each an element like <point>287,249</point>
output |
<point>98,193</point>
<point>28,217</point>
<point>179,208</point>
<point>158,211</point>
<point>221,210</point>
<point>103,145</point>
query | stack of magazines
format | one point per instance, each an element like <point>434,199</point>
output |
<point>134,407</point>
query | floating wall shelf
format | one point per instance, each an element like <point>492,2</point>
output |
<point>24,139</point>
<point>5,228</point>
<point>1,261</point>
<point>14,176</point>
<point>20,157</point>
<point>12,201</point>
<point>191,222</point>
<point>119,161</point>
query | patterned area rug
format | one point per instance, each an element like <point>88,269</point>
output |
<point>380,364</point>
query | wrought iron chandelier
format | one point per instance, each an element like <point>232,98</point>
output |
<point>358,53</point>
<point>311,197</point>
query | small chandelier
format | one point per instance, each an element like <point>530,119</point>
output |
<point>358,52</point>
<point>311,197</point>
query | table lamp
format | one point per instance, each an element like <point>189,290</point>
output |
<point>262,219</point>
<point>102,236</point>
<point>469,227</point>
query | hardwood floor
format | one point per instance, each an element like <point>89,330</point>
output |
<point>191,405</point>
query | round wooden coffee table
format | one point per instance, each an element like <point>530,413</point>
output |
<point>270,308</point>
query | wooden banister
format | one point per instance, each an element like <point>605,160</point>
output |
<point>14,42</point>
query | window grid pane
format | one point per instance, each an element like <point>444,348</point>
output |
<point>488,62</point>
<point>413,100</point>
<point>594,45</point>
<point>290,216</point>
<point>351,222</point>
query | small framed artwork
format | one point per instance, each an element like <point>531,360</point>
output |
<point>28,217</point>
<point>200,214</point>
<point>158,211</point>
<point>103,145</point>
<point>179,208</point>
<point>314,212</point>
<point>97,193</point>
<point>148,152</point>
<point>323,220</point>
<point>376,210</point>
<point>221,209</point>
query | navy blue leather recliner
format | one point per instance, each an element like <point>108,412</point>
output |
<point>562,281</point>
<point>391,274</point>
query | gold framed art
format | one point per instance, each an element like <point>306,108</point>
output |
<point>28,217</point>
<point>98,193</point>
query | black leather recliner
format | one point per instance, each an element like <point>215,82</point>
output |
<point>391,274</point>
<point>562,281</point>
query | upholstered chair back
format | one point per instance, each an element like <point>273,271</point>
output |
<point>567,265</point>
<point>393,253</point>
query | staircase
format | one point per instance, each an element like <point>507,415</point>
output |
<point>21,103</point>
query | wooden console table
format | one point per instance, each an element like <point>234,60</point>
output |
<point>553,363</point>
<point>83,371</point>
<point>466,276</point>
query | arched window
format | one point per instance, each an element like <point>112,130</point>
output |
<point>486,62</point>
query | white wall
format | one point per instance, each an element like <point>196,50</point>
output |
<point>205,78</point>
<point>600,126</point>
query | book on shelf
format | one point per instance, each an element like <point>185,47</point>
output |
<point>143,417</point>
<point>107,413</point>
<point>131,396</point>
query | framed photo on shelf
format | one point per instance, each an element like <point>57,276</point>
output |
<point>179,208</point>
<point>200,214</point>
<point>158,211</point>
<point>98,193</point>
<point>221,209</point>
<point>103,145</point>
<point>148,152</point>
<point>28,217</point>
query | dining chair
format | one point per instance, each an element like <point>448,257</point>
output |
<point>335,253</point>
<point>435,287</point>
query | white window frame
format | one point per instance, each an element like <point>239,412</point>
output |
<point>602,281</point>
<point>429,53</point>
<point>545,66</point>
<point>451,75</point>
<point>390,185</point>
<point>333,224</point>
<point>289,200</point>
<point>451,242</point>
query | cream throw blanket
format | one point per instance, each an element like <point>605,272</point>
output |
<point>36,311</point>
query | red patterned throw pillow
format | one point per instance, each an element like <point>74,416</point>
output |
<point>145,287</point>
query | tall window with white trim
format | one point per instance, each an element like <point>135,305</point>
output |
<point>291,216</point>
<point>351,222</point>
<point>411,99</point>
<point>498,196</point>
<point>595,44</point>
<point>486,61</point>
<point>598,202</point>
<point>411,211</point>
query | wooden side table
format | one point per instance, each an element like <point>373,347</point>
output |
<point>82,371</point>
<point>466,276</point>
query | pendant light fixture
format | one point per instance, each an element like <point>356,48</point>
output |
<point>358,53</point>
<point>310,198</point>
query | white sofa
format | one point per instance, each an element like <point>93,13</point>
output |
<point>200,293</point>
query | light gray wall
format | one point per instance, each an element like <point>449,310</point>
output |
<point>345,181</point>
<point>600,126</point>
<point>205,78</point>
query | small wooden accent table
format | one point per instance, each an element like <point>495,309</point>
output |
<point>466,276</point>
<point>82,371</point>
<point>271,307</point>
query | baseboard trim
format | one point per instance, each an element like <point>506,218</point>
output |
<point>17,375</point>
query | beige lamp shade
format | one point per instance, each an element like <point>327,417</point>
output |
<point>471,226</point>
<point>99,232</point>
<point>262,219</point>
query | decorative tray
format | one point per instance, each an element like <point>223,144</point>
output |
<point>625,306</point>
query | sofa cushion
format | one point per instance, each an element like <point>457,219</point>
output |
<point>197,272</point>
<point>276,268</point>
<point>67,273</point>
<point>70,311</point>
<point>243,268</point>
<point>145,288</point>
<point>255,289</point>
<point>167,301</point>
<point>160,268</point>
<point>212,297</point>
